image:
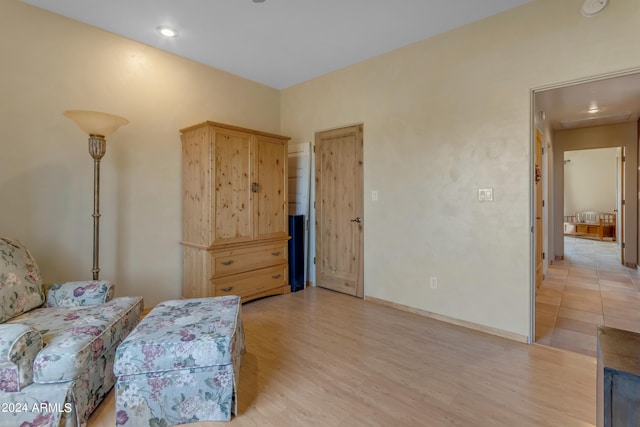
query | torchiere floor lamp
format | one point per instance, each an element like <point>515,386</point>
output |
<point>98,126</point>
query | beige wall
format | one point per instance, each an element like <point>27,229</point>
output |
<point>51,64</point>
<point>444,117</point>
<point>590,180</point>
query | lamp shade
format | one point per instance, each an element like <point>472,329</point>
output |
<point>95,123</point>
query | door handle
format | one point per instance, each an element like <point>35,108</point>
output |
<point>357,219</point>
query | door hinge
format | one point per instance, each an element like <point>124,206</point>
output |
<point>314,260</point>
<point>623,245</point>
<point>542,150</point>
<point>543,203</point>
<point>624,158</point>
<point>542,255</point>
<point>622,202</point>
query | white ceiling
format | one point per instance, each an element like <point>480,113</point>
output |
<point>278,42</point>
<point>566,107</point>
<point>281,43</point>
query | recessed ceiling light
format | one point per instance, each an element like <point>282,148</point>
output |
<point>167,31</point>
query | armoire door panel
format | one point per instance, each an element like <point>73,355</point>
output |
<point>196,186</point>
<point>232,187</point>
<point>270,199</point>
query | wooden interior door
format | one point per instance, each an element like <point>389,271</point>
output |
<point>270,196</point>
<point>538,224</point>
<point>339,210</point>
<point>232,187</point>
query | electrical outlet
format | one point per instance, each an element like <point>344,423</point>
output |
<point>374,195</point>
<point>434,283</point>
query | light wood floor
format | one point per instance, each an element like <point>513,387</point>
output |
<point>588,288</point>
<point>320,358</point>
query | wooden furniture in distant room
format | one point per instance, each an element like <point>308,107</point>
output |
<point>618,378</point>
<point>234,212</point>
<point>595,225</point>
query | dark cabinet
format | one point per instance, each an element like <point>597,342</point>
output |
<point>296,252</point>
<point>618,379</point>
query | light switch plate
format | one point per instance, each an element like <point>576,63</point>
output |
<point>485,194</point>
<point>374,195</point>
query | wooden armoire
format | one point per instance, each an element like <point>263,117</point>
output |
<point>234,212</point>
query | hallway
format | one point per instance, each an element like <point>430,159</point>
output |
<point>589,287</point>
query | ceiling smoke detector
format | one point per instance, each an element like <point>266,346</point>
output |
<point>593,7</point>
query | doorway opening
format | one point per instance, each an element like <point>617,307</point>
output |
<point>593,205</point>
<point>561,115</point>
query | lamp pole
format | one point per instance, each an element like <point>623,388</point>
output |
<point>98,126</point>
<point>97,149</point>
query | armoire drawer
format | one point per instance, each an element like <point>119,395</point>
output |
<point>252,282</point>
<point>239,260</point>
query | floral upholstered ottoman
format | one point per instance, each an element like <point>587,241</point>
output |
<point>181,364</point>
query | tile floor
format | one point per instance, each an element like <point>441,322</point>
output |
<point>588,288</point>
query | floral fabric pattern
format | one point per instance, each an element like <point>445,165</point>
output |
<point>75,337</point>
<point>93,385</point>
<point>48,405</point>
<point>175,397</point>
<point>19,345</point>
<point>20,282</point>
<point>56,359</point>
<point>181,364</point>
<point>72,294</point>
<point>80,346</point>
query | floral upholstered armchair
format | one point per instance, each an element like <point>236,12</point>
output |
<point>57,343</point>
